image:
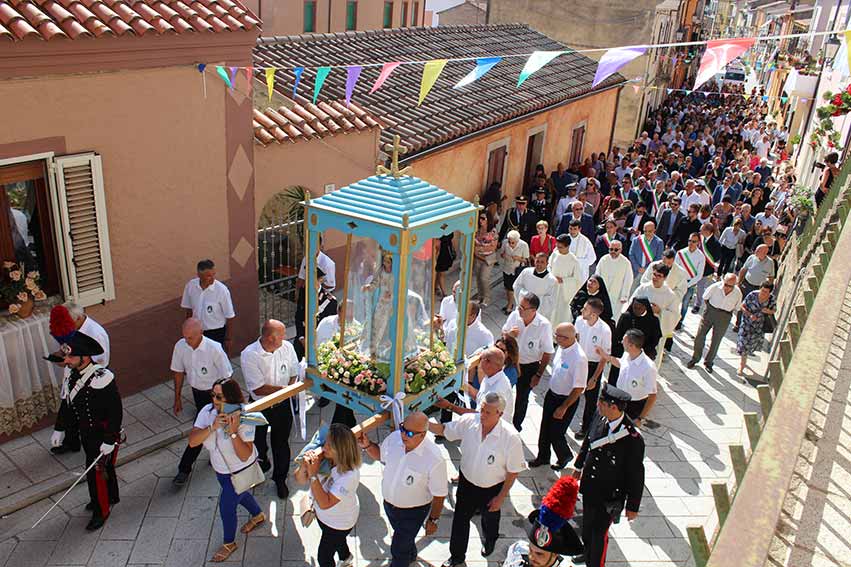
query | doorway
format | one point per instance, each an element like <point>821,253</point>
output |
<point>534,150</point>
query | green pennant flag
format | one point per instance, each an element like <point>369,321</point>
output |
<point>321,75</point>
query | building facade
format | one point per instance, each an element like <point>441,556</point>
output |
<point>595,25</point>
<point>294,17</point>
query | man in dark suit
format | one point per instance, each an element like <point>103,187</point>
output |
<point>539,206</point>
<point>654,196</point>
<point>685,227</point>
<point>577,212</point>
<point>519,218</point>
<point>611,466</point>
<point>669,219</point>
<point>627,191</point>
<point>604,241</point>
<point>635,220</point>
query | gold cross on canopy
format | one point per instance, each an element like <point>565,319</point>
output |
<point>395,149</point>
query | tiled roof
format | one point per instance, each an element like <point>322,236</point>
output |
<point>294,121</point>
<point>75,19</point>
<point>447,114</point>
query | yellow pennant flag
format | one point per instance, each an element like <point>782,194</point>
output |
<point>270,81</point>
<point>747,97</point>
<point>848,48</point>
<point>431,72</point>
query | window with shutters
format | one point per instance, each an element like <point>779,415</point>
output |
<point>309,16</point>
<point>26,222</point>
<point>79,205</point>
<point>351,15</point>
<point>388,14</point>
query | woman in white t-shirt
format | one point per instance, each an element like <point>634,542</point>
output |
<point>335,498</point>
<point>231,447</point>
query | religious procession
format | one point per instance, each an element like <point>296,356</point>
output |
<point>494,354</point>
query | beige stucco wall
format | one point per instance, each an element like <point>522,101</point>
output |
<point>592,24</point>
<point>286,17</point>
<point>163,169</point>
<point>461,167</point>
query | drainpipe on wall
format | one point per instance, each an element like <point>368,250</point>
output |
<point>614,120</point>
<point>329,15</point>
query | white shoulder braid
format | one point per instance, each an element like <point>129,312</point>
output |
<point>103,376</point>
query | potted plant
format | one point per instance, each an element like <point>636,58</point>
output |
<point>20,289</point>
<point>803,205</point>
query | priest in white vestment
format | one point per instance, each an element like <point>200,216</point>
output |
<point>582,248</point>
<point>665,303</point>
<point>537,279</point>
<point>616,271</point>
<point>567,271</point>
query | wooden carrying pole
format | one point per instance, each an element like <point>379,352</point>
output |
<point>366,425</point>
<point>344,307</point>
<point>433,295</point>
<point>279,396</point>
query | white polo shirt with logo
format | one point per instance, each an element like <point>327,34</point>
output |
<point>591,336</point>
<point>500,384</point>
<point>203,365</point>
<point>486,462</point>
<point>637,377</point>
<point>534,339</point>
<point>412,478</point>
<point>569,370</point>
<point>212,306</point>
<point>260,367</point>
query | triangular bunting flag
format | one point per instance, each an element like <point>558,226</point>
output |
<point>537,60</point>
<point>431,71</point>
<point>321,75</point>
<point>718,53</point>
<point>222,72</point>
<point>298,71</point>
<point>386,69</point>
<point>233,71</point>
<point>270,81</point>
<point>804,100</point>
<point>747,97</point>
<point>483,65</point>
<point>687,91</point>
<point>352,74</point>
<point>201,67</point>
<point>249,75</point>
<point>783,99</point>
<point>764,98</point>
<point>669,91</point>
<point>613,60</point>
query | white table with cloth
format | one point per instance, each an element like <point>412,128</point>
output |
<point>29,385</point>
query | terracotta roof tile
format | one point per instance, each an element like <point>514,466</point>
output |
<point>301,120</point>
<point>72,19</point>
<point>447,114</point>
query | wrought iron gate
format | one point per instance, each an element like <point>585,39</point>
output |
<point>280,249</point>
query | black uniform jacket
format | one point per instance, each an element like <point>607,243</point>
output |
<point>614,473</point>
<point>92,404</point>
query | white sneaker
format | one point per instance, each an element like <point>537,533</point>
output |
<point>347,562</point>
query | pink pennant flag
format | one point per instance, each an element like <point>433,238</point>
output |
<point>385,72</point>
<point>249,74</point>
<point>718,53</point>
<point>636,88</point>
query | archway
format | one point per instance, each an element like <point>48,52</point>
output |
<point>280,249</point>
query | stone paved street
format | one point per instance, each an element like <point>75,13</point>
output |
<point>698,415</point>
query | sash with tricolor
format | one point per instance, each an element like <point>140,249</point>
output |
<point>709,258</point>
<point>645,248</point>
<point>655,202</point>
<point>687,264</point>
<point>607,240</point>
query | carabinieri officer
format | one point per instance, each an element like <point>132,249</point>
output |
<point>94,406</point>
<point>611,466</point>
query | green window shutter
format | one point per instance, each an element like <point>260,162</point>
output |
<point>388,14</point>
<point>351,15</point>
<point>415,13</point>
<point>309,16</point>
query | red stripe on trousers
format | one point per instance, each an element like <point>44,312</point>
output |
<point>100,482</point>
<point>605,546</point>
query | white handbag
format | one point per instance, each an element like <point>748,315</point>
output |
<point>245,478</point>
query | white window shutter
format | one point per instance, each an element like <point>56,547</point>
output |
<point>80,205</point>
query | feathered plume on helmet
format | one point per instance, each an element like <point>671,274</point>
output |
<point>550,530</point>
<point>62,326</point>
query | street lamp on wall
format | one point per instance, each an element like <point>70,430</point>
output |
<point>831,47</point>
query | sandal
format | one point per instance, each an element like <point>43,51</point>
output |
<point>224,552</point>
<point>253,523</point>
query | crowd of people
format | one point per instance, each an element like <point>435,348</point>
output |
<point>600,265</point>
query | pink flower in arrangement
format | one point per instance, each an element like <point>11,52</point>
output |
<point>16,275</point>
<point>14,308</point>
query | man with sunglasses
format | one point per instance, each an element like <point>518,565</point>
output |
<point>414,484</point>
<point>722,300</point>
<point>491,459</point>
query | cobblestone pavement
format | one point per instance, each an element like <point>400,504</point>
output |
<point>697,414</point>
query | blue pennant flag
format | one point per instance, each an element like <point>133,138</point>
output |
<point>483,65</point>
<point>298,71</point>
